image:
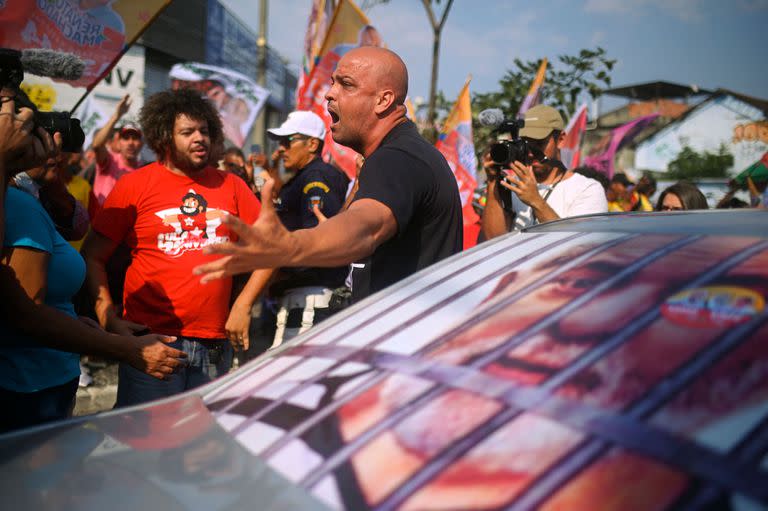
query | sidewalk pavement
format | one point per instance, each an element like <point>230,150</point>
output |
<point>100,395</point>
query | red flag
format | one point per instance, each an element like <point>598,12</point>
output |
<point>98,34</point>
<point>570,153</point>
<point>349,28</point>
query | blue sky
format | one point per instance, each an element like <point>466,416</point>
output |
<point>710,43</point>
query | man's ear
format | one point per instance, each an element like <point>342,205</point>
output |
<point>384,101</point>
<point>313,144</point>
<point>561,140</point>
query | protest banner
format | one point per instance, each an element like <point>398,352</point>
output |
<point>99,34</point>
<point>237,98</point>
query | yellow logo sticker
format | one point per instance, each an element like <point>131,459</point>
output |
<point>42,95</point>
<point>713,306</point>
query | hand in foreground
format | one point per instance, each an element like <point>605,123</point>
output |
<point>522,181</point>
<point>21,145</point>
<point>150,354</point>
<point>237,325</point>
<point>265,244</point>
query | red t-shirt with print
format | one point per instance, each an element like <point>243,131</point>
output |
<point>167,219</point>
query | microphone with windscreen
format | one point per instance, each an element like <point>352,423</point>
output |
<point>491,117</point>
<point>53,64</point>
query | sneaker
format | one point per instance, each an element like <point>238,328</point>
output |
<point>85,378</point>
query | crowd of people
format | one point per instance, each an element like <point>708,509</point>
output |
<point>154,284</point>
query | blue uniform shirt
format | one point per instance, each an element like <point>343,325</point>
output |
<point>317,183</point>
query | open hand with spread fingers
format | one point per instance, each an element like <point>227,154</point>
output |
<point>265,244</point>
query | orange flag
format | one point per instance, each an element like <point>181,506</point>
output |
<point>457,145</point>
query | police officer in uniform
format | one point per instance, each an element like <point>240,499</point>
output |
<point>303,294</point>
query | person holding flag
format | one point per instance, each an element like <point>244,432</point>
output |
<point>545,189</point>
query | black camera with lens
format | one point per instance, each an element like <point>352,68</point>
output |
<point>11,76</point>
<point>510,147</point>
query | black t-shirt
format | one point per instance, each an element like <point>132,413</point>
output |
<point>409,176</point>
<point>317,183</point>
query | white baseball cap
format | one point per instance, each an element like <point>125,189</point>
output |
<point>302,123</point>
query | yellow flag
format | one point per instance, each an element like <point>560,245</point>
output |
<point>347,27</point>
<point>410,111</point>
<point>460,116</point>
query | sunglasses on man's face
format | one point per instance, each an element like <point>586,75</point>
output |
<point>538,146</point>
<point>286,142</point>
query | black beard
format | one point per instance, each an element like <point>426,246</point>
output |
<point>182,162</point>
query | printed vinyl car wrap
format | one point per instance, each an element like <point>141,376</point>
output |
<point>603,363</point>
<point>546,371</point>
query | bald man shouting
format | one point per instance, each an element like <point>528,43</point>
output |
<point>406,214</point>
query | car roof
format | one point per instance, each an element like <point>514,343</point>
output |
<point>576,365</point>
<point>730,222</point>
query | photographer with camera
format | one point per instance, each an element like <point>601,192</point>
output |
<point>528,184</point>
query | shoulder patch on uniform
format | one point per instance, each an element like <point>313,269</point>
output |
<point>316,184</point>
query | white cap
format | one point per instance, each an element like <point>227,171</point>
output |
<point>302,123</point>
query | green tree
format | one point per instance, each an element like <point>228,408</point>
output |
<point>690,164</point>
<point>565,83</point>
<point>436,22</point>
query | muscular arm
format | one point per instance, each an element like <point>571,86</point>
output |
<point>344,238</point>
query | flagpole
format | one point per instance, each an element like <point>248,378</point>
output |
<point>126,47</point>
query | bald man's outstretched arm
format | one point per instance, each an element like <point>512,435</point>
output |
<point>343,239</point>
<point>346,237</point>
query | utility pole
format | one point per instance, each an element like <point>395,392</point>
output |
<point>261,121</point>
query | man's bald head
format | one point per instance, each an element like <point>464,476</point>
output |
<point>367,96</point>
<point>386,67</point>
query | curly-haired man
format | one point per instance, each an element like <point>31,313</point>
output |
<point>167,212</point>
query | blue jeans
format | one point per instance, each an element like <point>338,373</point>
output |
<point>207,359</point>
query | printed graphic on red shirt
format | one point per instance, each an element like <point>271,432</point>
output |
<point>194,225</point>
